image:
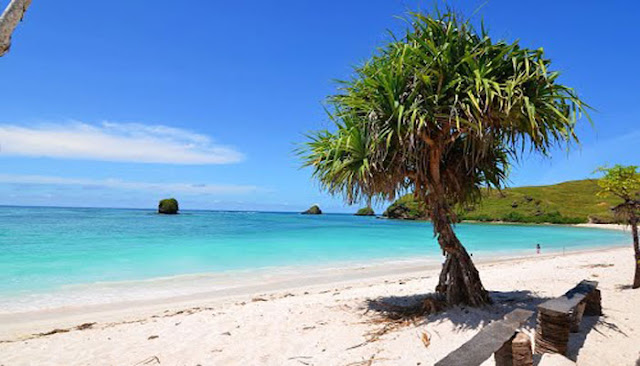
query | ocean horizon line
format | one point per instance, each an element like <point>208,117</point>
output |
<point>181,209</point>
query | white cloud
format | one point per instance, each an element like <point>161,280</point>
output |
<point>184,188</point>
<point>120,142</point>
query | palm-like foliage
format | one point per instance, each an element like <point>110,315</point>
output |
<point>440,111</point>
<point>624,182</point>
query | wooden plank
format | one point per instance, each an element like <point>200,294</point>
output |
<point>559,316</point>
<point>489,340</point>
<point>567,302</point>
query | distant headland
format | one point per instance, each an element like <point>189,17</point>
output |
<point>572,202</point>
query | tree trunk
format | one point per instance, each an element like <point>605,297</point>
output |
<point>9,19</point>
<point>636,249</point>
<point>459,279</point>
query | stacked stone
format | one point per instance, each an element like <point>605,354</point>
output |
<point>594,304</point>
<point>552,332</point>
<point>515,352</point>
<point>576,317</point>
<point>521,350</point>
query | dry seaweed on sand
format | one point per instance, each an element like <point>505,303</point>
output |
<point>394,316</point>
<point>426,339</point>
<point>424,306</point>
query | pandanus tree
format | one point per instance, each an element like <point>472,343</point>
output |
<point>441,111</point>
<point>624,183</point>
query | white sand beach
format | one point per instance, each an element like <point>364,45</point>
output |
<point>328,323</point>
<point>606,226</point>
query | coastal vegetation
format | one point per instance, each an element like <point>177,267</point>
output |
<point>365,211</point>
<point>168,206</point>
<point>440,111</point>
<point>407,207</point>
<point>570,202</point>
<point>624,183</point>
<point>313,210</point>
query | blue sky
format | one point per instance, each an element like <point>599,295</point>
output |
<point>121,103</point>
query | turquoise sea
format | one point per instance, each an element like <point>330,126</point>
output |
<point>49,251</point>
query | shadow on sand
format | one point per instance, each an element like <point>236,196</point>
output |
<point>624,287</point>
<point>589,323</point>
<point>465,318</point>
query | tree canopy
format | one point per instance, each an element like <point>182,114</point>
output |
<point>624,182</point>
<point>442,86</point>
<point>621,181</point>
<point>440,112</point>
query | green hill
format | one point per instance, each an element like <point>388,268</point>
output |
<point>565,203</point>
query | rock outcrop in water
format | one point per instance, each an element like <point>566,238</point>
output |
<point>313,210</point>
<point>406,208</point>
<point>365,211</point>
<point>168,206</point>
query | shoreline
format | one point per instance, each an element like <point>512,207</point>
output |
<point>40,320</point>
<point>108,294</point>
<point>620,227</point>
<point>192,285</point>
<point>333,321</point>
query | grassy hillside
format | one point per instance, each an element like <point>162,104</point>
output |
<point>406,208</point>
<point>564,203</point>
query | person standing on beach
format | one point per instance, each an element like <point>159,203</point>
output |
<point>538,248</point>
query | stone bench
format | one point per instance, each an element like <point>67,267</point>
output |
<point>500,338</point>
<point>558,317</point>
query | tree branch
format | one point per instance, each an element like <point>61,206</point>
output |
<point>9,20</point>
<point>428,140</point>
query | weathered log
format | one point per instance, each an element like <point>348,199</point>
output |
<point>489,340</point>
<point>558,317</point>
<point>567,302</point>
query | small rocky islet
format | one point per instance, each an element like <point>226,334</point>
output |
<point>168,206</point>
<point>313,210</point>
<point>365,211</point>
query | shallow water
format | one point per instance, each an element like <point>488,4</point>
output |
<point>44,250</point>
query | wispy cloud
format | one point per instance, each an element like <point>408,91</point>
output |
<point>120,142</point>
<point>184,188</point>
